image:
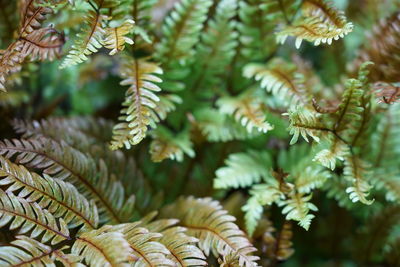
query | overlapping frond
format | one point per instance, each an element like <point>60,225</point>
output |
<point>244,169</point>
<point>103,247</point>
<point>61,161</point>
<point>320,23</point>
<point>147,251</point>
<point>60,198</point>
<point>30,217</point>
<point>89,41</point>
<point>206,220</point>
<point>28,252</point>
<point>33,41</point>
<point>140,105</point>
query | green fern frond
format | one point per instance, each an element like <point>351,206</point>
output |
<point>181,31</point>
<point>166,145</point>
<point>297,207</point>
<point>206,220</point>
<point>218,127</point>
<point>103,247</point>
<point>59,198</point>
<point>247,109</point>
<point>140,105</point>
<point>30,217</point>
<point>258,19</point>
<point>356,171</point>
<point>244,169</point>
<point>89,41</point>
<point>306,123</point>
<point>217,46</point>
<point>320,23</point>
<point>334,149</point>
<point>281,79</point>
<point>28,252</point>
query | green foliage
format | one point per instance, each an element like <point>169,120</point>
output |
<point>231,148</point>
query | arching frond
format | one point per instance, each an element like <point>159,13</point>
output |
<point>246,109</point>
<point>28,252</point>
<point>30,217</point>
<point>281,79</point>
<point>206,220</point>
<point>103,247</point>
<point>320,23</point>
<point>89,41</point>
<point>244,169</point>
<point>283,244</point>
<point>60,198</point>
<point>140,106</point>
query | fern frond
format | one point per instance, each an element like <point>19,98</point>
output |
<point>59,198</point>
<point>279,78</point>
<point>283,244</point>
<point>42,44</point>
<point>320,23</point>
<point>217,46</point>
<point>243,170</point>
<point>356,172</point>
<point>182,247</point>
<point>380,46</point>
<point>387,93</point>
<point>115,38</point>
<point>145,247</point>
<point>30,217</point>
<point>140,104</point>
<point>273,190</point>
<point>89,41</point>
<point>219,127</point>
<point>206,220</point>
<point>64,162</point>
<point>103,247</point>
<point>297,207</point>
<point>306,123</point>
<point>166,145</point>
<point>335,150</point>
<point>246,109</point>
<point>28,252</point>
<point>181,31</point>
<point>258,19</point>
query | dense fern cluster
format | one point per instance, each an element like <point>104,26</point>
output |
<point>251,132</point>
